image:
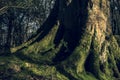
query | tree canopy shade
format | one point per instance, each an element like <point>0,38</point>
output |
<point>78,41</point>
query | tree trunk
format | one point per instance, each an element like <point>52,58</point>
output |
<point>79,36</point>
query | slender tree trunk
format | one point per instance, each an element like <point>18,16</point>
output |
<point>9,34</point>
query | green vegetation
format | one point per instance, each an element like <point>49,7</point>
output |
<point>13,68</point>
<point>92,54</point>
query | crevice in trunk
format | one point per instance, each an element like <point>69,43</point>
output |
<point>59,35</point>
<point>118,65</point>
<point>73,21</point>
<point>115,14</point>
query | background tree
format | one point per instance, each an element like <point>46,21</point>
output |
<point>21,19</point>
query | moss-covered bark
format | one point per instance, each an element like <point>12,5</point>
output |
<point>77,39</point>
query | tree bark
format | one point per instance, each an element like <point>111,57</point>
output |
<point>83,39</point>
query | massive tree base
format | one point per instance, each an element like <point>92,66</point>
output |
<point>75,43</point>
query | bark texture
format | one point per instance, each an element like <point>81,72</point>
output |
<point>80,37</point>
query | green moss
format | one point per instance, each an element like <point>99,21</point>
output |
<point>87,76</point>
<point>61,76</point>
<point>74,65</point>
<point>21,70</point>
<point>114,47</point>
<point>41,46</point>
<point>15,49</point>
<point>77,59</point>
<point>34,59</point>
<point>40,51</point>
